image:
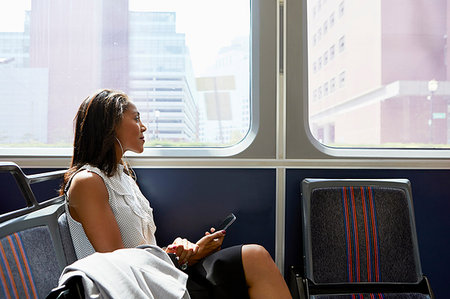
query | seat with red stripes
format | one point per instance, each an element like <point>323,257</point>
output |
<point>359,240</point>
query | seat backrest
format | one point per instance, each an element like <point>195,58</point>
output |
<point>35,243</point>
<point>32,253</point>
<point>359,231</point>
<point>66,239</point>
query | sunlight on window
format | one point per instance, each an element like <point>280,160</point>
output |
<point>160,53</point>
<point>378,75</point>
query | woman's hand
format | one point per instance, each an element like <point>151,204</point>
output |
<point>207,245</point>
<point>183,249</point>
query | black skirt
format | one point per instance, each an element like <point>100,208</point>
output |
<point>220,275</point>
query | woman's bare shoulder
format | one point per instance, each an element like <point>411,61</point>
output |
<point>87,185</point>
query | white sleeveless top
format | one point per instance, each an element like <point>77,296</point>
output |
<point>133,213</point>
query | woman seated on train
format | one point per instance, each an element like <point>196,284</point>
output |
<point>106,210</point>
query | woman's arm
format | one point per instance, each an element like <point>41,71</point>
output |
<point>89,205</point>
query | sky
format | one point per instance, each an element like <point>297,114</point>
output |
<point>208,24</point>
<point>12,14</point>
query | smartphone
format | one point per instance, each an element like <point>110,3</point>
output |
<point>226,222</point>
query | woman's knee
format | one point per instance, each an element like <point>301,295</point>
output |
<point>255,253</point>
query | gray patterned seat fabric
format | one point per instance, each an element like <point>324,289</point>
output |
<point>360,232</point>
<point>28,267</point>
<point>34,249</point>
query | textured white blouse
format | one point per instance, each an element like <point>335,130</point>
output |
<point>132,210</point>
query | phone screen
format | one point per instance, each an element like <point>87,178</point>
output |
<point>226,222</point>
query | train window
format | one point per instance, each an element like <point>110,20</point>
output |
<point>186,65</point>
<point>385,83</point>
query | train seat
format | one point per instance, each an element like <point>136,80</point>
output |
<point>66,239</point>
<point>35,243</point>
<point>359,241</point>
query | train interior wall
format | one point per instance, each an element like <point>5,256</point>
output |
<point>187,202</point>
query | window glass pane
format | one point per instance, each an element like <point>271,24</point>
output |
<point>378,76</point>
<point>186,65</point>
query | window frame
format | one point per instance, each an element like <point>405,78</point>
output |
<point>263,68</point>
<point>301,143</point>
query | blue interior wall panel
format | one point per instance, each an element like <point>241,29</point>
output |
<point>11,198</point>
<point>187,202</point>
<point>431,198</point>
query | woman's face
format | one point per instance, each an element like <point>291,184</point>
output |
<point>130,131</point>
